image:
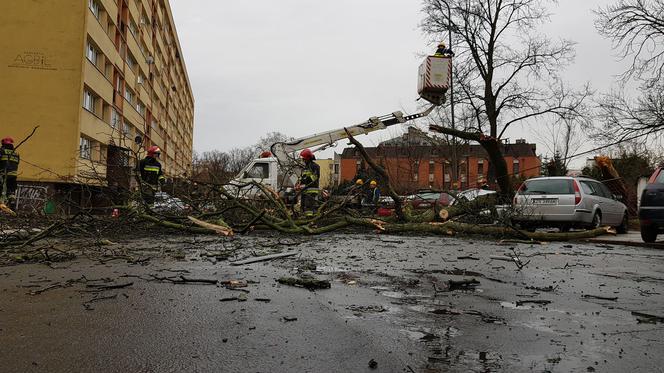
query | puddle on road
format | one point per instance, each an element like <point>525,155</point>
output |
<point>329,269</point>
<point>513,306</point>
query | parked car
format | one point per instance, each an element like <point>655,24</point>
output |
<point>428,199</point>
<point>470,194</point>
<point>651,209</point>
<point>568,202</point>
<point>164,203</point>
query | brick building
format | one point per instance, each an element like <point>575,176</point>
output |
<point>414,162</point>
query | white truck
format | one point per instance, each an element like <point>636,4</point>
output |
<point>280,168</point>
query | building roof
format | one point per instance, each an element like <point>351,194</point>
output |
<point>445,151</point>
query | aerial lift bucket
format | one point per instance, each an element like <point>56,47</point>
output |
<point>434,77</point>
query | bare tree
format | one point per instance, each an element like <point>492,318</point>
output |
<point>506,72</point>
<point>636,28</point>
<point>562,139</point>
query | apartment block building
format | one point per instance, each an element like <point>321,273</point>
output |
<point>103,80</point>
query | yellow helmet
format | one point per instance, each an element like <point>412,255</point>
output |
<point>373,183</point>
<point>359,182</point>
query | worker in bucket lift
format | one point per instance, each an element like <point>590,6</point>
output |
<point>9,160</point>
<point>151,174</point>
<point>373,195</point>
<point>309,182</point>
<point>443,51</point>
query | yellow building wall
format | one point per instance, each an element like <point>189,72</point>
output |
<point>41,50</point>
<point>325,172</point>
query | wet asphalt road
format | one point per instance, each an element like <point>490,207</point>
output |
<point>389,301</point>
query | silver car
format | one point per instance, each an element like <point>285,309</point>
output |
<point>568,202</point>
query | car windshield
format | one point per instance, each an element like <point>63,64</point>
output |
<point>547,186</point>
<point>660,177</point>
<point>428,196</point>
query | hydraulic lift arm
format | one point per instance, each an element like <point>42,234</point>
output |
<point>281,150</point>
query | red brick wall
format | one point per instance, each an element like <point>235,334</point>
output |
<point>401,171</point>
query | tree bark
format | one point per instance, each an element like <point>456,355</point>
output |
<point>380,171</point>
<point>492,146</point>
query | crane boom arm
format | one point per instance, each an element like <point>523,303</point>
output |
<point>281,150</point>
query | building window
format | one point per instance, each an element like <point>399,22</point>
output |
<point>115,118</point>
<point>94,7</point>
<point>89,101</point>
<point>140,108</point>
<point>84,148</point>
<point>480,168</point>
<point>126,129</point>
<point>129,95</point>
<point>132,27</point>
<point>131,61</point>
<point>92,53</point>
<point>432,164</point>
<point>416,170</point>
<point>515,167</point>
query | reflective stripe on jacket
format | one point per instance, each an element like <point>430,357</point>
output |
<point>9,160</point>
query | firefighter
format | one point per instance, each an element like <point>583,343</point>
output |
<point>9,160</point>
<point>373,195</point>
<point>443,51</point>
<point>356,193</point>
<point>309,182</point>
<point>151,174</point>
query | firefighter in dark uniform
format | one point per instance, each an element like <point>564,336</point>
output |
<point>151,174</point>
<point>309,182</point>
<point>443,51</point>
<point>9,160</point>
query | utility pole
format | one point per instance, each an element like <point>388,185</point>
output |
<point>449,32</point>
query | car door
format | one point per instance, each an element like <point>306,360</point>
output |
<point>617,207</point>
<point>593,197</point>
<point>607,203</point>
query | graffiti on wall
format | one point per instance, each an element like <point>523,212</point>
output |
<point>31,198</point>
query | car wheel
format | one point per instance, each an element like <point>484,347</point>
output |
<point>648,233</point>
<point>597,221</point>
<point>624,225</point>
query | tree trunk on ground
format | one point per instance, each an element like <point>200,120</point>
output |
<point>475,206</point>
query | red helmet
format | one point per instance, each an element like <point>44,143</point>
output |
<point>266,154</point>
<point>7,140</point>
<point>307,154</point>
<point>153,150</point>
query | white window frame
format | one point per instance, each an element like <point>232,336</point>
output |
<point>126,128</point>
<point>95,7</point>
<point>84,148</point>
<point>132,27</point>
<point>92,53</point>
<point>518,167</point>
<point>140,107</point>
<point>129,95</point>
<point>115,118</point>
<point>89,101</point>
<point>131,61</point>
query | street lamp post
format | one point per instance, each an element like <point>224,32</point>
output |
<point>449,31</point>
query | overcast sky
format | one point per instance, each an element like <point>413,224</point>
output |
<point>305,66</point>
